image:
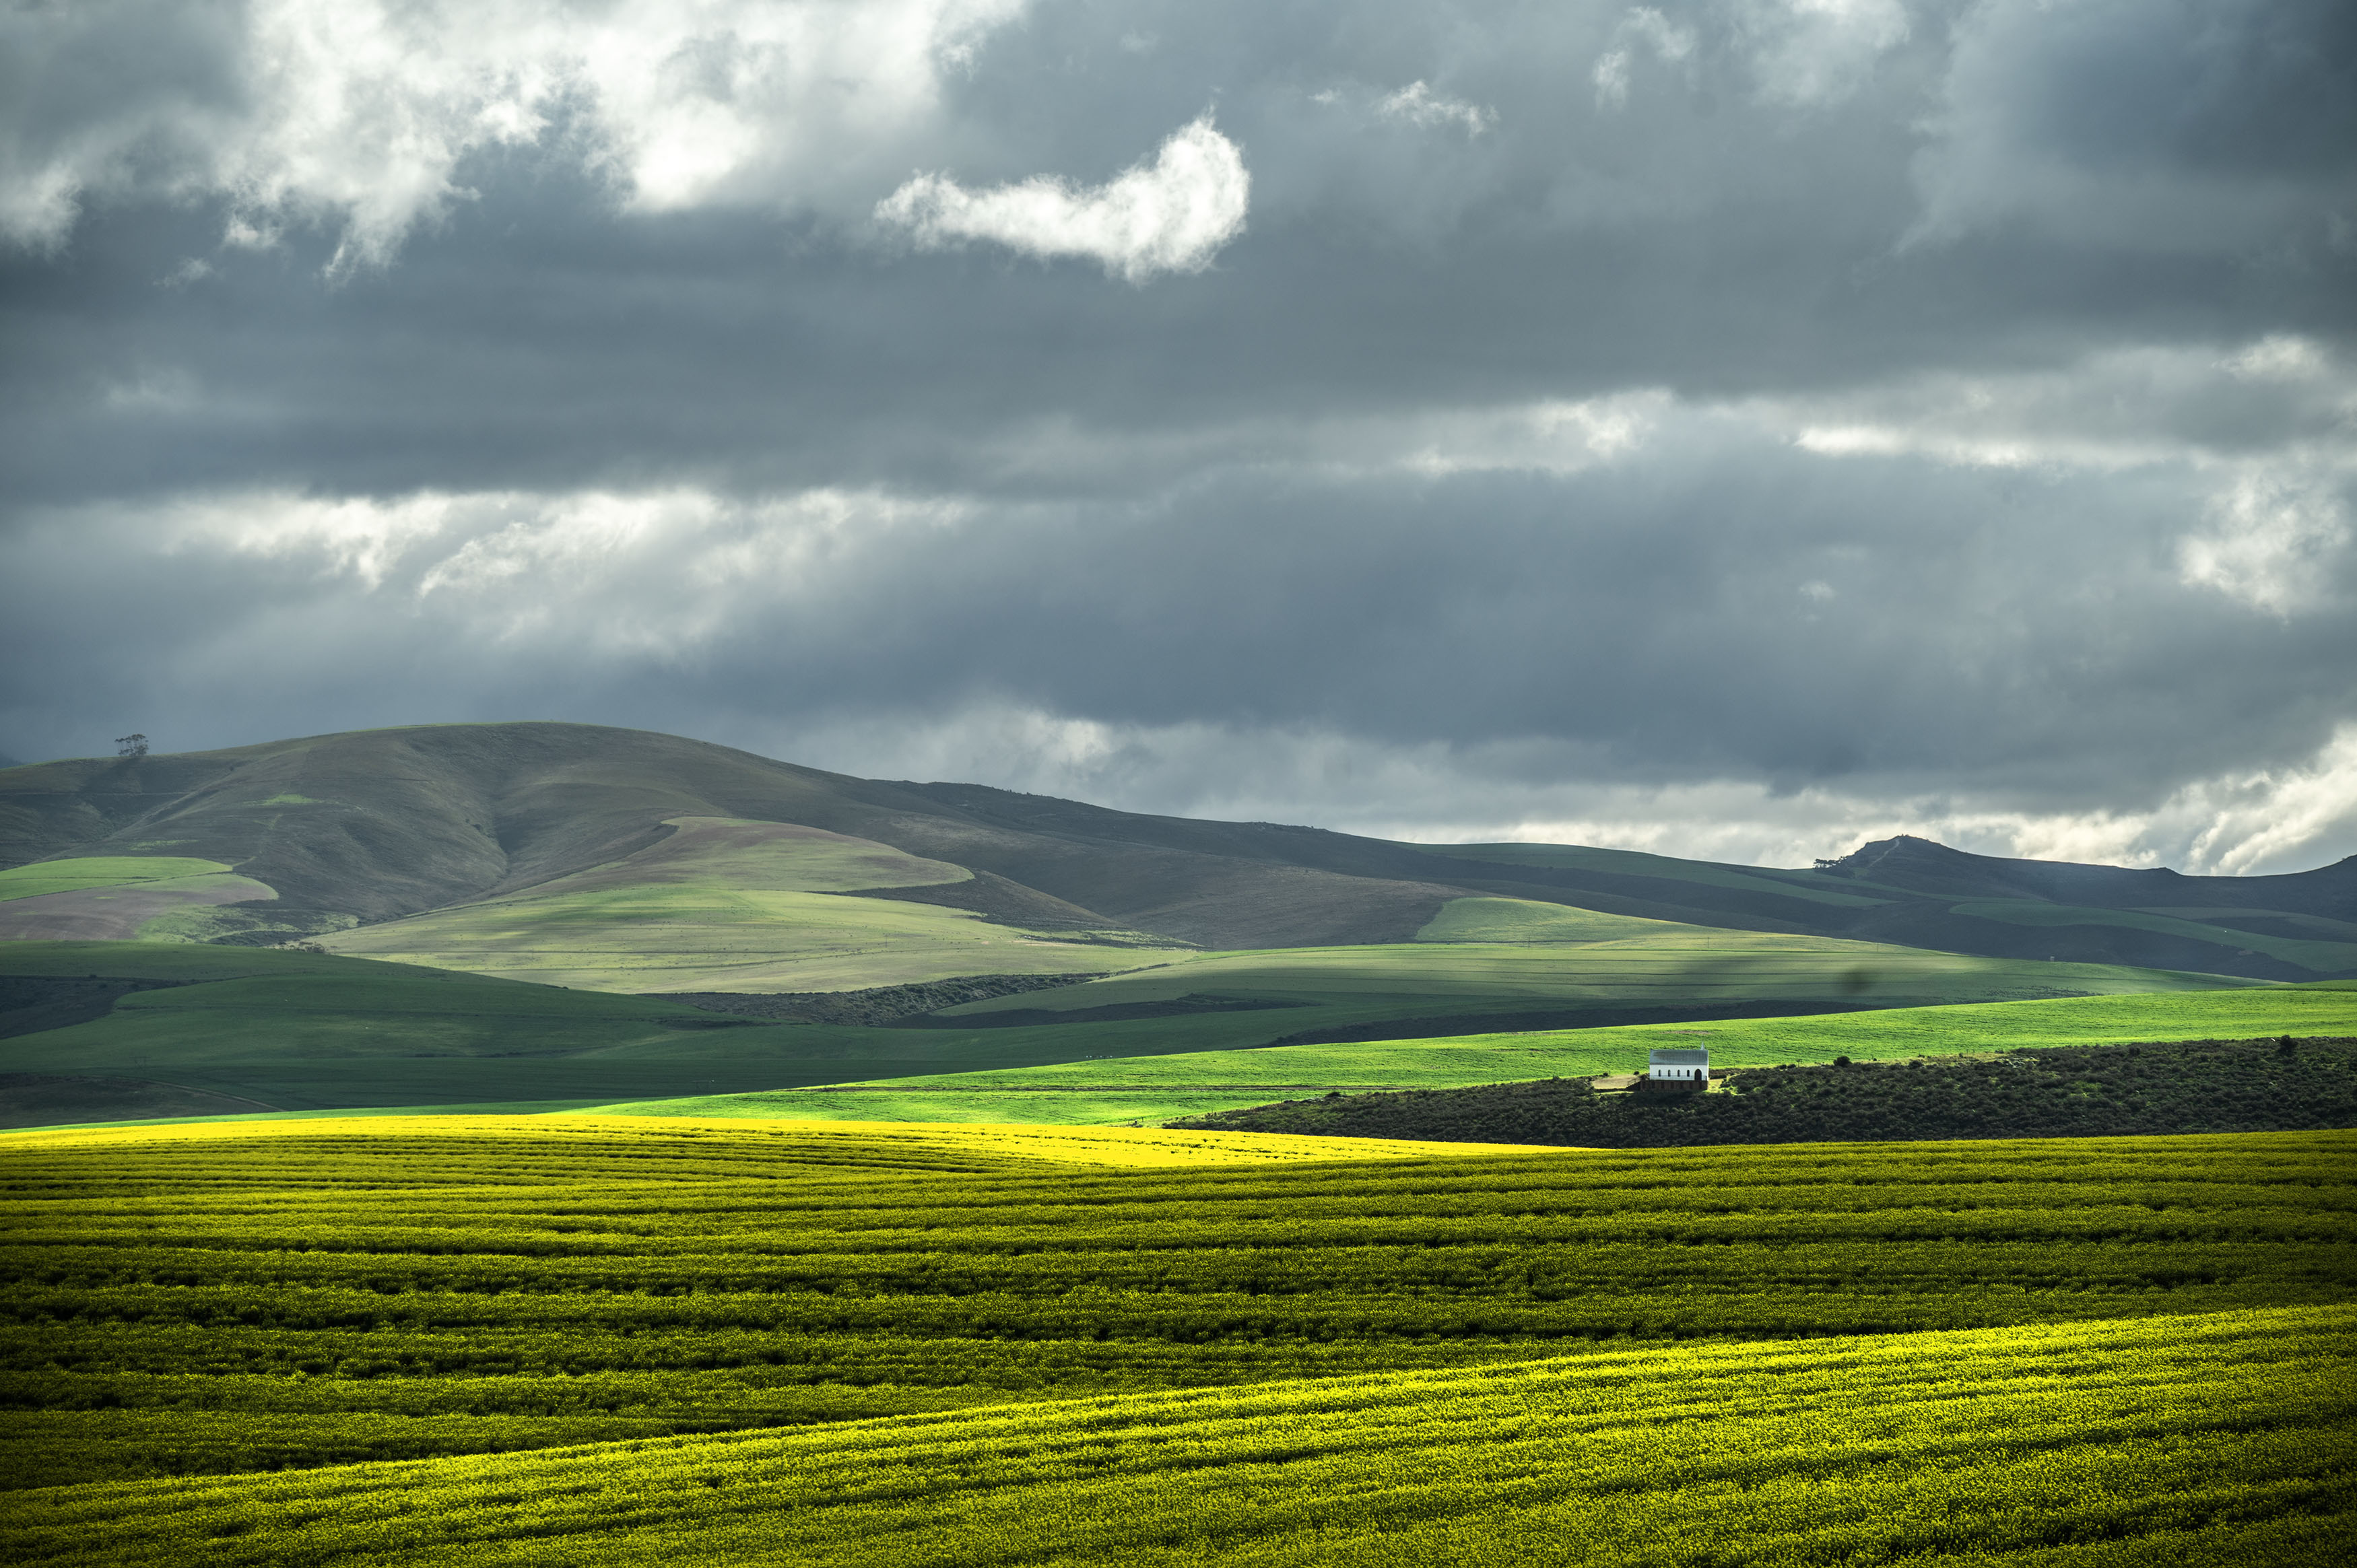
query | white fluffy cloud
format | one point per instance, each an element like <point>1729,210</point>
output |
<point>2273,546</point>
<point>1170,216</point>
<point>1643,27</point>
<point>1818,52</point>
<point>1417,104</point>
<point>2286,400</point>
<point>2266,431</point>
<point>359,113</point>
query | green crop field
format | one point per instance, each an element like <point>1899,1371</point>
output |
<point>1154,1089</point>
<point>1812,1354</point>
<point>2218,1439</point>
<point>101,871</point>
<point>298,1031</point>
<point>1665,964</point>
<point>1404,992</point>
<point>116,897</point>
<point>731,906</point>
<point>723,852</point>
<point>302,1031</point>
<point>1525,921</point>
<point>682,937</point>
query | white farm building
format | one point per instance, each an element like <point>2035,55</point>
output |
<point>1685,1065</point>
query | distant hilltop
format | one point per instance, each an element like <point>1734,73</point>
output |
<point>315,836</point>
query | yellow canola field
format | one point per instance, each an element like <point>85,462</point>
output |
<point>1116,1147</point>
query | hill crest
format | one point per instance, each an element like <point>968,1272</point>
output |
<point>371,826</point>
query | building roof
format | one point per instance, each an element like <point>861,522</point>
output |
<point>1683,1056</point>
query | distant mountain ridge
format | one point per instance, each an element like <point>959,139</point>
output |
<point>1923,865</point>
<point>376,825</point>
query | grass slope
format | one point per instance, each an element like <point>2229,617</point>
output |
<point>119,898</point>
<point>375,825</point>
<point>2211,1086</point>
<point>1661,965</point>
<point>1154,1089</point>
<point>296,1031</point>
<point>1415,990</point>
<point>1526,920</point>
<point>1637,865</point>
<point>1914,891</point>
<point>100,871</point>
<point>2319,953</point>
<point>299,1031</point>
<point>725,905</point>
<point>654,940</point>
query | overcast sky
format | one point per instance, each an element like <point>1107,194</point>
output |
<point>1737,429</point>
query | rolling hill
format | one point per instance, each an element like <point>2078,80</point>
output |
<point>101,1030</point>
<point>645,866</point>
<point>1135,1087</point>
<point>488,828</point>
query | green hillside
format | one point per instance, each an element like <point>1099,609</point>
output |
<point>333,832</point>
<point>123,899</point>
<point>115,871</point>
<point>1914,891</point>
<point>1155,1089</point>
<point>1527,921</point>
<point>294,1030</point>
<point>291,1030</point>
<point>1663,965</point>
<point>1994,1346</point>
<point>741,906</point>
<point>621,862</point>
<point>376,825</point>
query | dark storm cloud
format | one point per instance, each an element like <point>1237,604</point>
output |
<point>1863,397</point>
<point>1707,232</point>
<point>1714,603</point>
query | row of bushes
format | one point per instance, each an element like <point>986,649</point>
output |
<point>2203,1086</point>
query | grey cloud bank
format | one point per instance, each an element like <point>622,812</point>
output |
<point>1732,429</point>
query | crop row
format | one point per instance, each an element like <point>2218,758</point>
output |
<point>309,1180</point>
<point>160,1299</point>
<point>181,1160</point>
<point>2195,1441</point>
<point>336,1290</point>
